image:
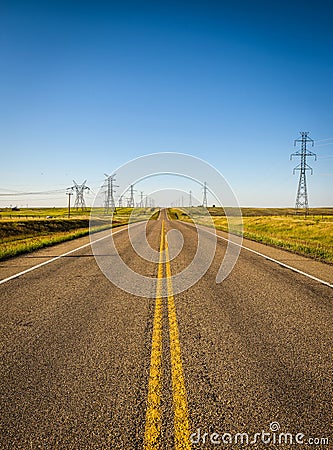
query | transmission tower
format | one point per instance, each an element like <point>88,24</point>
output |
<point>190,200</point>
<point>131,202</point>
<point>109,200</point>
<point>120,201</point>
<point>79,194</point>
<point>204,201</point>
<point>302,193</point>
<point>141,200</point>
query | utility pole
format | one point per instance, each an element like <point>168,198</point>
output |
<point>190,200</point>
<point>131,202</point>
<point>302,202</point>
<point>79,194</point>
<point>109,201</point>
<point>204,201</point>
<point>69,193</point>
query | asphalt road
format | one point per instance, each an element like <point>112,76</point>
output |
<point>86,365</point>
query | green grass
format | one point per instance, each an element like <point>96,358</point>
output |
<point>62,213</point>
<point>175,213</point>
<point>252,212</point>
<point>42,213</point>
<point>15,248</point>
<point>310,236</point>
<point>155,215</point>
<point>18,236</point>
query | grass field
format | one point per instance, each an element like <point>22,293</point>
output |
<point>310,235</point>
<point>42,213</point>
<point>21,234</point>
<point>255,212</point>
<point>29,230</point>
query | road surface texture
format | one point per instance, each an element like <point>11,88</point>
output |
<point>86,365</point>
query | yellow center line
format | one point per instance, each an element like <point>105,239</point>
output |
<point>181,421</point>
<point>153,414</point>
<point>153,428</point>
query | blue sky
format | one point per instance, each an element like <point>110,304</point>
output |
<point>87,86</point>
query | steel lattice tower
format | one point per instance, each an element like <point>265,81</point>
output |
<point>190,200</point>
<point>120,201</point>
<point>109,201</point>
<point>204,201</point>
<point>79,194</point>
<point>302,201</point>
<point>141,200</point>
<point>131,201</point>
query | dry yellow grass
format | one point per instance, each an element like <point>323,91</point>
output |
<point>307,236</point>
<point>311,235</point>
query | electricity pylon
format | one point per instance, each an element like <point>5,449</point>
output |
<point>141,200</point>
<point>190,200</point>
<point>302,201</point>
<point>120,201</point>
<point>79,194</point>
<point>131,202</point>
<point>204,201</point>
<point>109,200</point>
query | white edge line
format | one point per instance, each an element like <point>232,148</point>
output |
<point>16,275</point>
<point>326,283</point>
<point>207,231</point>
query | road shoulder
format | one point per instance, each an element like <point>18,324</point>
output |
<point>24,262</point>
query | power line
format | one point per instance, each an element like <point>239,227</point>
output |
<point>327,139</point>
<point>58,191</point>
<point>302,193</point>
<point>324,145</point>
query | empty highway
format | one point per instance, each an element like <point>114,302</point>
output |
<point>87,365</point>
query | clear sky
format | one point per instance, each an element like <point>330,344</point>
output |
<point>86,86</point>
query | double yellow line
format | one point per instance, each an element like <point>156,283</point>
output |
<point>153,429</point>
